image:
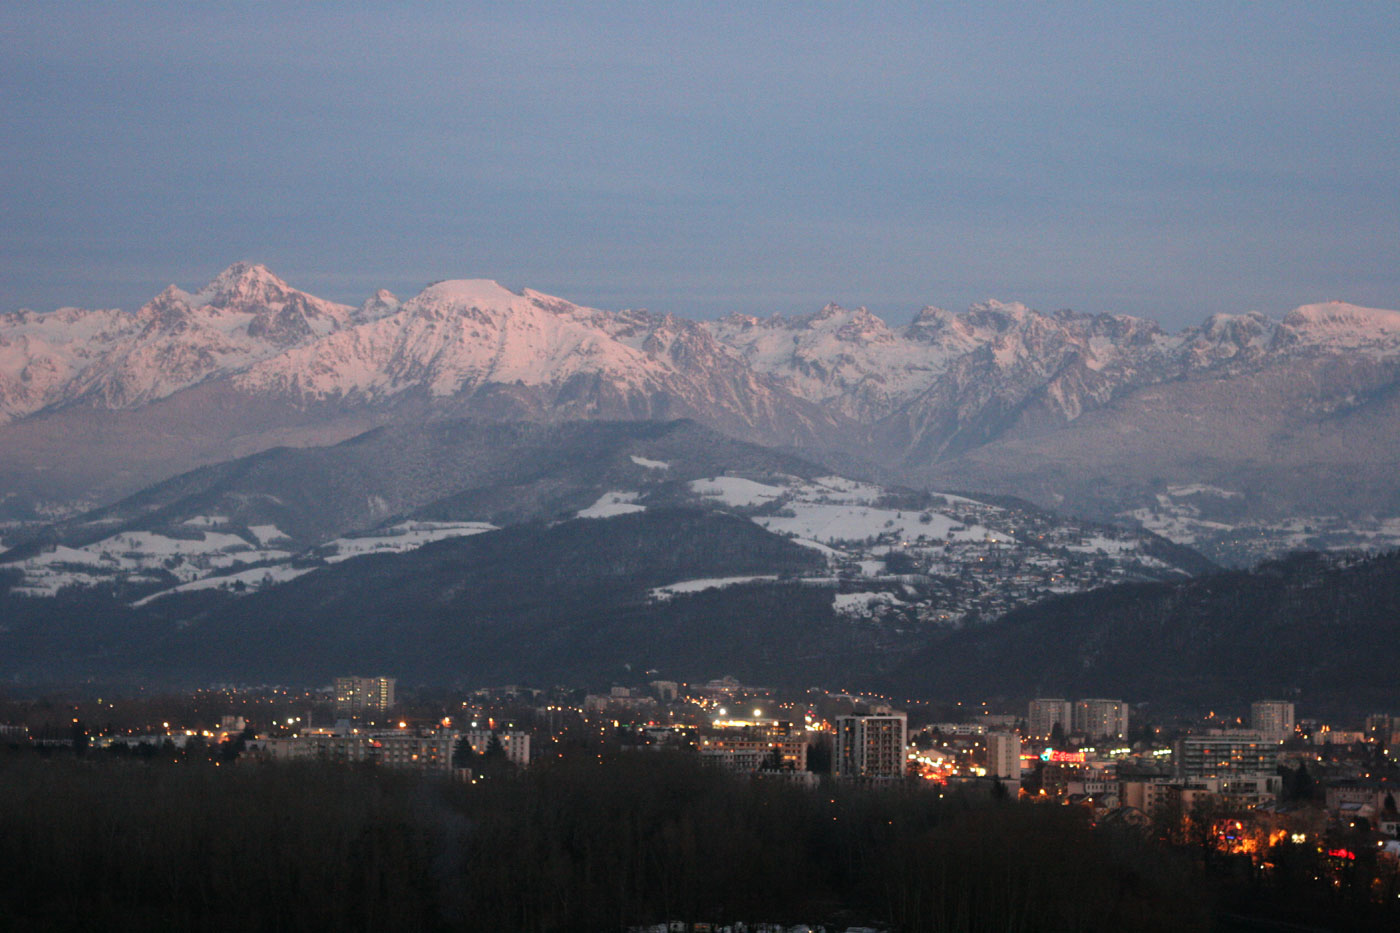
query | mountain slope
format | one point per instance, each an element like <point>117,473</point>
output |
<point>501,472</point>
<point>1320,629</point>
<point>569,601</point>
<point>278,515</point>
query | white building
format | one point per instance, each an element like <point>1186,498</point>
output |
<point>1273,719</point>
<point>430,753</point>
<point>1003,755</point>
<point>515,744</point>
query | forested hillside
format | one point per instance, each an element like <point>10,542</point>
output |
<point>1323,629</point>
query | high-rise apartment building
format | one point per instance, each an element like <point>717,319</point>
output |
<point>1101,719</point>
<point>1003,755</point>
<point>1045,714</point>
<point>870,746</point>
<point>355,696</point>
<point>1273,719</point>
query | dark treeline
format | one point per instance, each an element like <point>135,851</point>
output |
<point>578,844</point>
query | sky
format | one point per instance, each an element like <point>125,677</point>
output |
<point>1170,160</point>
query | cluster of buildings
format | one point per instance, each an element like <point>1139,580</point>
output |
<point>1076,751</point>
<point>436,749</point>
<point>442,750</point>
<point>1296,772</point>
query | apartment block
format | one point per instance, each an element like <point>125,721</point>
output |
<point>1003,755</point>
<point>870,746</point>
<point>1101,719</point>
<point>1045,714</point>
<point>1273,719</point>
<point>356,696</point>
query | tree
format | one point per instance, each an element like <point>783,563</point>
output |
<point>462,754</point>
<point>494,748</point>
<point>493,759</point>
<point>1298,784</point>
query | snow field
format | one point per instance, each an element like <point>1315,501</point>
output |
<point>831,524</point>
<point>861,604</point>
<point>736,491</point>
<point>406,536</point>
<point>253,579</point>
<point>696,586</point>
<point>613,503</point>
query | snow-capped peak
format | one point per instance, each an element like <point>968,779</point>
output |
<point>468,293</point>
<point>1001,315</point>
<point>463,336</point>
<point>241,283</point>
<point>381,304</point>
<point>173,293</point>
<point>1333,320</point>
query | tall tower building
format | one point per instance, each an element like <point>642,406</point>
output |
<point>355,696</point>
<point>1273,719</point>
<point>1045,714</point>
<point>1003,755</point>
<point>870,746</point>
<point>1101,719</point>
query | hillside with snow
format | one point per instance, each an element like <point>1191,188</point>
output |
<point>263,521</point>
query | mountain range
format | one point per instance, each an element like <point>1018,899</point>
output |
<point>250,482</point>
<point>1242,429</point>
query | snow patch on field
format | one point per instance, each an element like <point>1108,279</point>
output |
<point>131,552</point>
<point>736,491</point>
<point>252,580</point>
<point>818,546</point>
<point>49,582</point>
<point>836,523</point>
<point>268,533</point>
<point>613,503</point>
<point>863,604</point>
<point>841,490</point>
<point>406,536</point>
<point>712,583</point>
<point>1203,489</point>
<point>650,464</point>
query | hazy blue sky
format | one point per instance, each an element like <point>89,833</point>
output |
<point>1165,159</point>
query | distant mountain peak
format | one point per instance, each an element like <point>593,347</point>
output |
<point>1341,316</point>
<point>242,282</point>
<point>381,304</point>
<point>472,293</point>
